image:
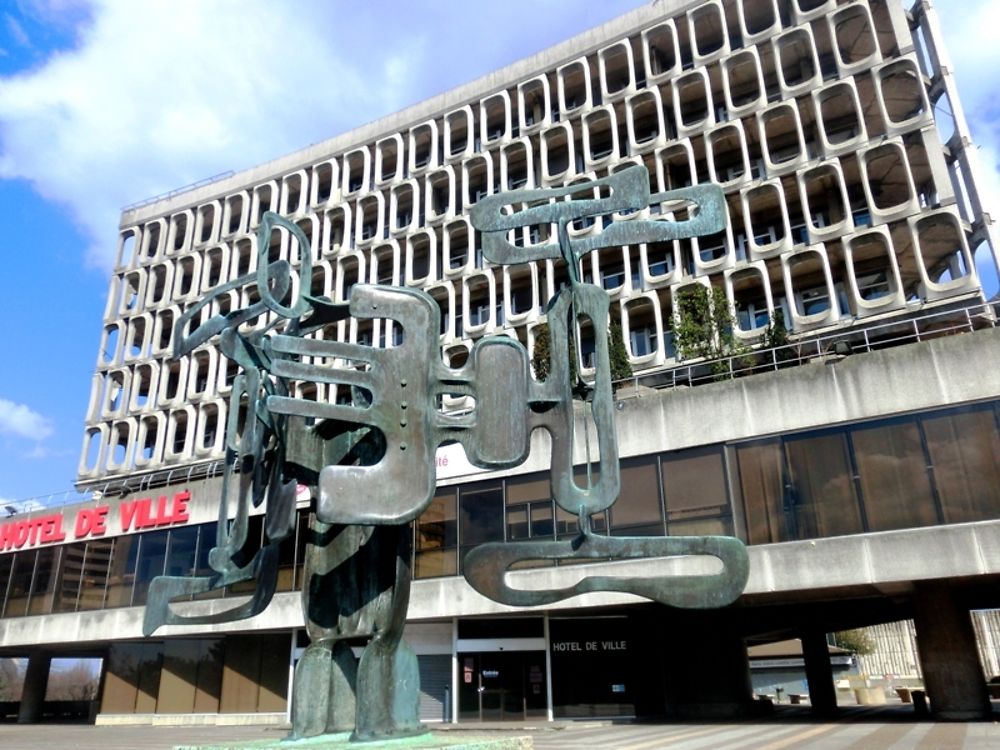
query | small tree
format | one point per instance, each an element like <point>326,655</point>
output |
<point>621,369</point>
<point>857,641</point>
<point>541,354</point>
<point>776,335</point>
<point>704,326</point>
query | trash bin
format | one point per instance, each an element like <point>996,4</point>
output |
<point>920,703</point>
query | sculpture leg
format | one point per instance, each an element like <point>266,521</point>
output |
<point>323,698</point>
<point>388,691</point>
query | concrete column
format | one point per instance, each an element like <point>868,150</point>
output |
<point>36,680</point>
<point>819,673</point>
<point>946,643</point>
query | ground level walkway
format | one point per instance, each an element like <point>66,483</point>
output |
<point>791,727</point>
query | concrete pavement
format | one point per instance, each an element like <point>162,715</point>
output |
<point>791,728</point>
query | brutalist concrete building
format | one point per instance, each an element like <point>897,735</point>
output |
<point>849,435</point>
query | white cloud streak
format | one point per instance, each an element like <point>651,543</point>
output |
<point>21,421</point>
<point>156,98</point>
<point>158,94</point>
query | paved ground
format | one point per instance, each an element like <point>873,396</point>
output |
<point>892,728</point>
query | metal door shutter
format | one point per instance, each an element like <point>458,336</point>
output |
<point>435,684</point>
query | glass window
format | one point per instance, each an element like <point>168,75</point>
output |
<point>152,558</point>
<point>480,514</point>
<point>762,485</point>
<point>252,545</point>
<point>70,577</point>
<point>6,564</point>
<point>20,584</point>
<point>122,574</point>
<point>183,548</point>
<point>43,585</point>
<point>529,507</point>
<point>964,450</point>
<point>821,486</point>
<point>206,541</point>
<point>895,487</point>
<point>94,577</point>
<point>638,510</point>
<point>694,489</point>
<point>437,537</point>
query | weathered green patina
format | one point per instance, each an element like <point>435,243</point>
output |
<point>370,462</point>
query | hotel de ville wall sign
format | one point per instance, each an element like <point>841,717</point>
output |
<point>371,461</point>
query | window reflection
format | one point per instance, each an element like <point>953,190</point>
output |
<point>694,488</point>
<point>821,487</point>
<point>94,578</point>
<point>20,584</point>
<point>893,475</point>
<point>43,584</point>
<point>964,450</point>
<point>122,574</point>
<point>152,558</point>
<point>638,510</point>
<point>437,537</point>
<point>480,515</point>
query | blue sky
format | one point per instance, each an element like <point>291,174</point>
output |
<point>108,102</point>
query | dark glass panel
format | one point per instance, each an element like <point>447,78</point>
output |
<point>821,486</point>
<point>122,574</point>
<point>183,550</point>
<point>178,676</point>
<point>6,565</point>
<point>528,488</point>
<point>762,486</point>
<point>964,450</point>
<point>437,537</point>
<point>286,563</point>
<point>480,514</point>
<point>517,523</point>
<point>542,524</point>
<point>43,586</point>
<point>638,510</point>
<point>94,580</point>
<point>71,574</point>
<point>529,507</point>
<point>152,559</point>
<point>206,541</point>
<point>252,545</point>
<point>20,584</point>
<point>892,470</point>
<point>694,491</point>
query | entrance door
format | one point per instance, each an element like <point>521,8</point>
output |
<point>501,685</point>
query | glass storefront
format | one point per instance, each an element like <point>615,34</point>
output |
<point>931,468</point>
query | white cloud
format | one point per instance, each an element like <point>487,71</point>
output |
<point>157,95</point>
<point>161,94</point>
<point>21,421</point>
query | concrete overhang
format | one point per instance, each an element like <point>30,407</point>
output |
<point>877,564</point>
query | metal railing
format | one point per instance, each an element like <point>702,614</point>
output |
<point>823,347</point>
<point>178,191</point>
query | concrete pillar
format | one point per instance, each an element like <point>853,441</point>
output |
<point>36,680</point>
<point>946,643</point>
<point>819,673</point>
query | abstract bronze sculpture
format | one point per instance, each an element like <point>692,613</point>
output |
<point>370,462</point>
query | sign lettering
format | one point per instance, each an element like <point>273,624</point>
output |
<point>133,515</point>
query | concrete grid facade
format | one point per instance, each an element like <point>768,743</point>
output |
<point>867,486</point>
<point>848,186</point>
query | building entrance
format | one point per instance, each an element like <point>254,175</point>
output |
<point>501,686</point>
